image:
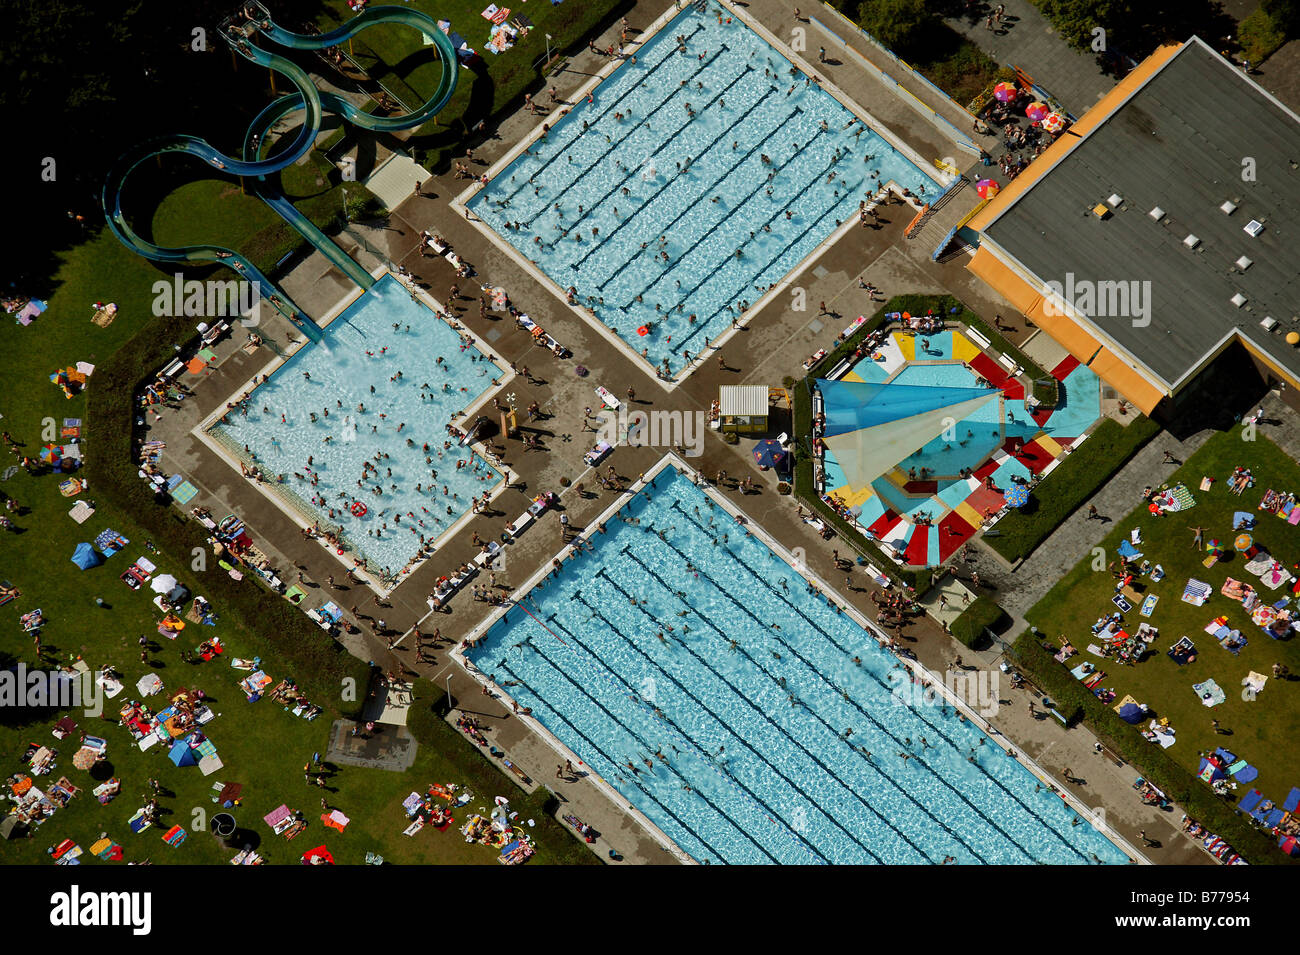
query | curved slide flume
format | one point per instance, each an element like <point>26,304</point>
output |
<point>237,33</point>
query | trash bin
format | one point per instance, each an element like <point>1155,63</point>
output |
<point>223,828</point>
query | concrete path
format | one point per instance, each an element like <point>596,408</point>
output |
<point>1020,588</point>
<point>1025,39</point>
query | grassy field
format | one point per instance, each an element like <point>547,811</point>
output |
<point>261,746</point>
<point>1261,731</point>
<point>1076,479</point>
<point>397,59</point>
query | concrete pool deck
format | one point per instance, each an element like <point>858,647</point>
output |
<point>771,347</point>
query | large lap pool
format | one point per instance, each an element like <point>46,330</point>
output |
<point>361,419</point>
<point>700,174</point>
<point>692,668</point>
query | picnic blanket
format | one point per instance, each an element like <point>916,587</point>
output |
<point>1183,651</point>
<point>1196,592</point>
<point>1211,693</point>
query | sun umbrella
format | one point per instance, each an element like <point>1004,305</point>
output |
<point>163,583</point>
<point>986,188</point>
<point>1005,92</point>
<point>1131,713</point>
<point>51,453</point>
<point>1036,111</point>
<point>84,758</point>
<point>769,453</point>
<point>1054,122</point>
<point>1017,495</point>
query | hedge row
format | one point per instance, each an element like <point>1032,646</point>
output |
<point>1075,702</point>
<point>557,844</point>
<point>272,627</point>
<point>983,613</point>
<point>1074,480</point>
<point>952,310</point>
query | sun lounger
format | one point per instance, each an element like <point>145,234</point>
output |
<point>1196,592</point>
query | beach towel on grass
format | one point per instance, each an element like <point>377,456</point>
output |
<point>1211,693</point>
<point>1196,592</point>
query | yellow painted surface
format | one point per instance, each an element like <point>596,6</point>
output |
<point>963,349</point>
<point>906,344</point>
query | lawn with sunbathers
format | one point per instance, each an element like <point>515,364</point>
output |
<point>262,746</point>
<point>1260,731</point>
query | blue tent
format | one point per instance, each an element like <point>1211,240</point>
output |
<point>182,755</point>
<point>85,557</point>
<point>1132,713</point>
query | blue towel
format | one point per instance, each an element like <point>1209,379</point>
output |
<point>1274,818</point>
<point>1126,549</point>
<point>1250,800</point>
<point>1226,756</point>
<point>1292,801</point>
<point>1247,774</point>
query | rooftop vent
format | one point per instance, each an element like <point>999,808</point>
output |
<point>1253,228</point>
<point>1114,200</point>
<point>1238,300</point>
<point>1157,213</point>
<point>1192,241</point>
<point>1269,324</point>
<point>1244,263</point>
<point>1228,208</point>
<point>1100,211</point>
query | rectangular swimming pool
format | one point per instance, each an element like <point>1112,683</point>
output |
<point>354,428</point>
<point>748,717</point>
<point>701,172</point>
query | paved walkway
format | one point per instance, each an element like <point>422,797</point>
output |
<point>768,350</point>
<point>1017,589</point>
<point>1025,39</point>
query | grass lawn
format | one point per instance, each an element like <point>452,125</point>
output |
<point>1261,731</point>
<point>395,57</point>
<point>1076,479</point>
<point>262,747</point>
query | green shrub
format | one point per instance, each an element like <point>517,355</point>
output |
<point>952,310</point>
<point>982,614</point>
<point>1259,36</point>
<point>1047,392</point>
<point>272,627</point>
<point>1074,480</point>
<point>1074,701</point>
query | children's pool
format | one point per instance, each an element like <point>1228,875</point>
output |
<point>355,426</point>
<point>694,670</point>
<point>699,175</point>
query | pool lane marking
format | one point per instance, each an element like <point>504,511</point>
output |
<point>768,811</point>
<point>562,148</point>
<point>831,774</point>
<point>916,710</point>
<point>736,737</point>
<point>577,264</point>
<point>619,775</point>
<point>637,736</point>
<point>840,693</point>
<point>606,108</point>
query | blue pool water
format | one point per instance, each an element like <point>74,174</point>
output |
<point>384,332</point>
<point>974,438</point>
<point>659,241</point>
<point>747,776</point>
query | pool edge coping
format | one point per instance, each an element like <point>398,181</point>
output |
<point>714,346</point>
<point>931,680</point>
<point>373,580</point>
